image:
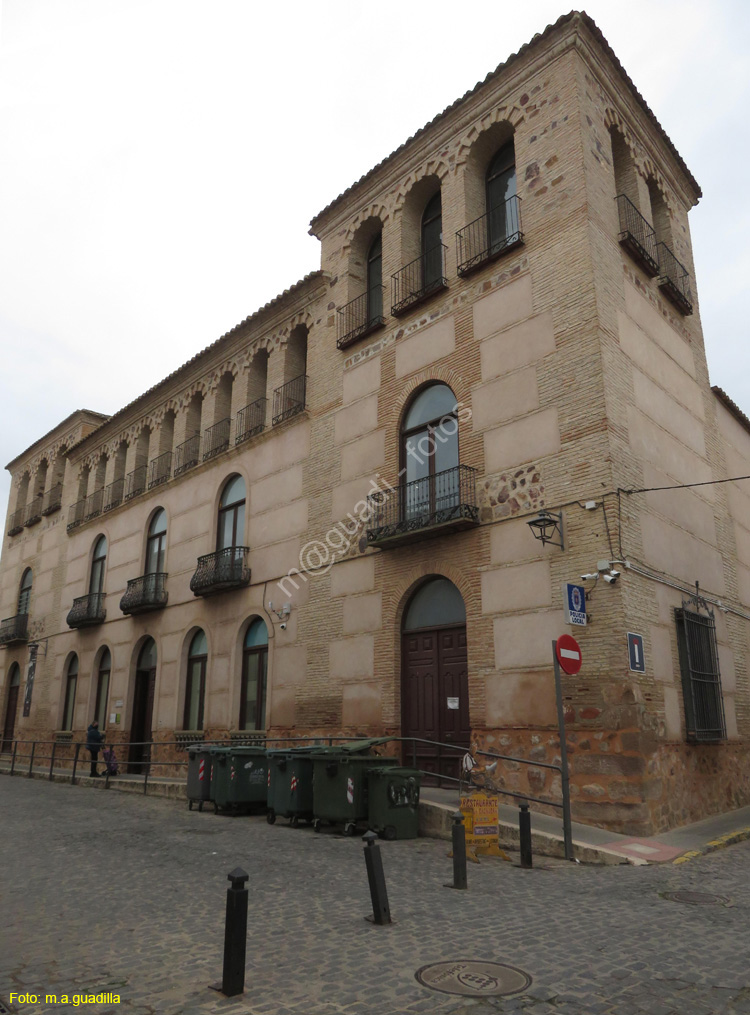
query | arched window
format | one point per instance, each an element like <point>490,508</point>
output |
<point>24,593</point>
<point>502,208</point>
<point>231,529</point>
<point>375,280</point>
<point>195,687</point>
<point>102,688</point>
<point>156,543</point>
<point>432,242</point>
<point>437,603</point>
<point>254,676</point>
<point>96,583</point>
<point>429,448</point>
<point>71,679</point>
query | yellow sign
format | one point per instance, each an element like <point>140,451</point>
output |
<point>481,824</point>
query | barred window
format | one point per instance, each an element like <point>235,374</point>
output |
<point>701,679</point>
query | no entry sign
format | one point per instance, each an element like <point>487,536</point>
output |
<point>568,653</point>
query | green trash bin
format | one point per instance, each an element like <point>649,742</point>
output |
<point>393,801</point>
<point>239,778</point>
<point>340,783</point>
<point>290,784</point>
<point>199,775</point>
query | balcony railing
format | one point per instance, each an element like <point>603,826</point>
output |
<point>33,512</point>
<point>216,439</point>
<point>93,505</point>
<point>489,236</point>
<point>251,420</point>
<point>113,495</point>
<point>135,482</point>
<point>219,571</point>
<point>52,500</point>
<point>14,629</point>
<point>149,592</point>
<point>15,522</point>
<point>289,399</point>
<point>75,514</point>
<point>361,316</point>
<point>187,454</point>
<point>87,611</point>
<point>419,279</point>
<point>424,508</point>
<point>637,235</point>
<point>674,280</point>
<point>159,470</point>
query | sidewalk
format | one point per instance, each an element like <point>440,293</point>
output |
<point>590,844</point>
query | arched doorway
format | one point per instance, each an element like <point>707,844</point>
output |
<point>254,677</point>
<point>434,675</point>
<point>143,707</point>
<point>11,708</point>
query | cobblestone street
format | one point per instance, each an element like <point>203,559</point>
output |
<point>108,892</point>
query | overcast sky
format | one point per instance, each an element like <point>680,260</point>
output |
<point>160,161</point>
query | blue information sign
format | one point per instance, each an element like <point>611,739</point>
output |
<point>635,652</point>
<point>574,602</point>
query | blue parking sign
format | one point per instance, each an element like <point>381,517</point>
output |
<point>574,602</point>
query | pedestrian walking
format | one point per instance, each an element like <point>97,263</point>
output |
<point>93,744</point>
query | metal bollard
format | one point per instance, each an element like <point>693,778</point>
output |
<point>235,936</point>
<point>524,832</point>
<point>381,912</point>
<point>458,838</point>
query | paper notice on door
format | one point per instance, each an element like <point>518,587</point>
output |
<point>453,704</point>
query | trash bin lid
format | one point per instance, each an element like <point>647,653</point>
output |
<point>362,746</point>
<point>391,770</point>
<point>245,749</point>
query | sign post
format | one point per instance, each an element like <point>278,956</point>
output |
<point>566,653</point>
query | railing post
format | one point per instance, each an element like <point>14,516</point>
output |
<point>564,772</point>
<point>52,760</point>
<point>381,912</point>
<point>146,768</point>
<point>458,838</point>
<point>524,834</point>
<point>13,759</point>
<point>75,764</point>
<point>31,759</point>
<point>235,936</point>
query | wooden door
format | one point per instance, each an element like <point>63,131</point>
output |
<point>435,696</point>
<point>143,710</point>
<point>10,719</point>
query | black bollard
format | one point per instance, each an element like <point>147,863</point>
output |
<point>381,912</point>
<point>524,832</point>
<point>458,837</point>
<point>235,935</point>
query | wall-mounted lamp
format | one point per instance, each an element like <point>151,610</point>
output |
<point>284,612</point>
<point>546,526</point>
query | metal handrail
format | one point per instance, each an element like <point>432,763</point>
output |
<point>216,438</point>
<point>159,469</point>
<point>419,279</point>
<point>490,235</point>
<point>289,399</point>
<point>250,421</point>
<point>360,316</point>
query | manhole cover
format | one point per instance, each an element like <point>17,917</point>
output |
<point>696,898</point>
<point>471,978</point>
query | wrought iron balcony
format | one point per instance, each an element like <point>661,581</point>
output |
<point>419,279</point>
<point>424,508</point>
<point>216,439</point>
<point>149,592</point>
<point>113,495</point>
<point>674,280</point>
<point>87,611</point>
<point>52,500</point>
<point>637,235</point>
<point>135,482</point>
<point>159,470</point>
<point>33,512</point>
<point>14,629</point>
<point>15,522</point>
<point>220,571</point>
<point>93,505</point>
<point>75,514</point>
<point>360,316</point>
<point>489,236</point>
<point>187,454</point>
<point>251,420</point>
<point>289,399</point>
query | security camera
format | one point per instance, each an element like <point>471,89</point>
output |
<point>283,627</point>
<point>589,577</point>
<point>612,577</point>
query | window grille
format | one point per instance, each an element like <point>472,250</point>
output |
<point>699,666</point>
